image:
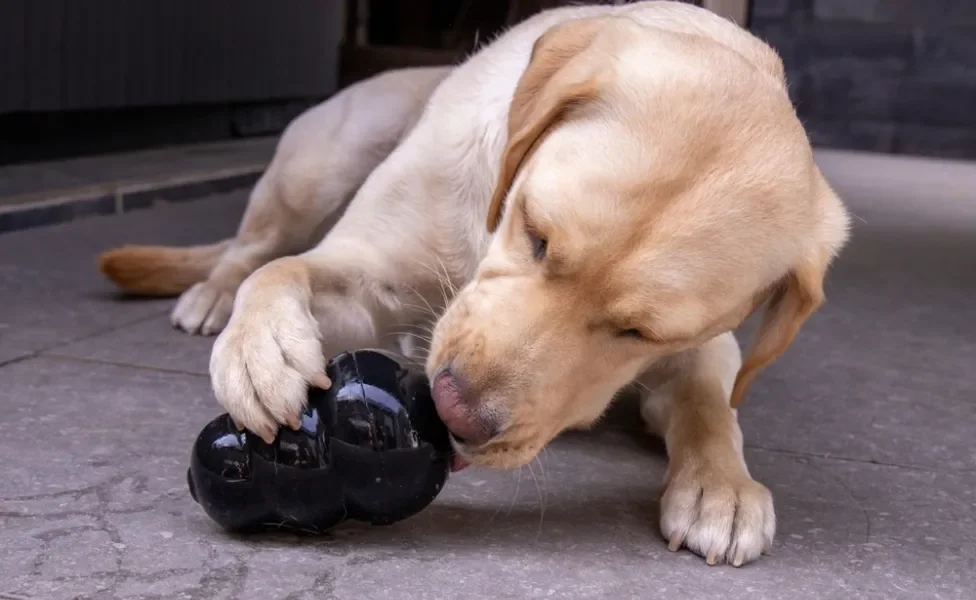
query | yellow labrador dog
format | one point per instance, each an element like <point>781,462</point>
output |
<point>599,197</point>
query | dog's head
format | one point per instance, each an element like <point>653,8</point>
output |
<point>656,189</point>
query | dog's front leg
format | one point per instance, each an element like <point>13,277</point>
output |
<point>711,505</point>
<point>289,317</point>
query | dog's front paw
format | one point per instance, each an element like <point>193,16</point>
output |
<point>204,309</point>
<point>721,516</point>
<point>263,362</point>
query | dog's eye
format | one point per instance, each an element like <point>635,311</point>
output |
<point>539,245</point>
<point>635,334</point>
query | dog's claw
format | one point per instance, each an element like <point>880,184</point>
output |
<point>740,557</point>
<point>322,381</point>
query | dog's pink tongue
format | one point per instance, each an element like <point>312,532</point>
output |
<point>457,463</point>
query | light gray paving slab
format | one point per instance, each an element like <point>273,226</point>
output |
<point>884,372</point>
<point>152,343</point>
<point>51,292</point>
<point>93,504</point>
<point>863,432</point>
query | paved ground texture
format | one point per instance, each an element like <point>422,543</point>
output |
<point>865,432</point>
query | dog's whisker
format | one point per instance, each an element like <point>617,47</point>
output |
<point>518,482</point>
<point>427,306</point>
<point>438,277</point>
<point>449,290</point>
<point>447,276</point>
<point>499,509</point>
<point>495,514</point>
<point>445,298</point>
<point>425,266</point>
<point>642,386</point>
<point>545,475</point>
<point>410,334</point>
<point>423,345</point>
<point>422,309</point>
<point>429,330</point>
<point>542,501</point>
<point>425,328</point>
<point>414,362</point>
<point>427,309</point>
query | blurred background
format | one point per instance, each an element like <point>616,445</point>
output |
<point>82,77</point>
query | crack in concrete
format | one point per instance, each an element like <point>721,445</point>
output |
<point>229,579</point>
<point>111,363</point>
<point>851,459</point>
<point>81,338</point>
<point>323,587</point>
<point>212,580</point>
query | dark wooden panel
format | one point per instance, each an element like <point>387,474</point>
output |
<point>43,56</point>
<point>251,50</point>
<point>251,46</point>
<point>13,55</point>
<point>205,45</point>
<point>288,47</point>
<point>154,54</point>
<point>99,54</point>
<point>314,62</point>
<point>361,62</point>
<point>93,52</point>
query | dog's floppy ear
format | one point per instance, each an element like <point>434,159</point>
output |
<point>797,295</point>
<point>557,78</point>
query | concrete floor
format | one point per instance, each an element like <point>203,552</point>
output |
<point>865,433</point>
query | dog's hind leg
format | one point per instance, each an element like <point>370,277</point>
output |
<point>321,161</point>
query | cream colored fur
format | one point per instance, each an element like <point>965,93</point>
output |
<point>323,157</point>
<point>652,153</point>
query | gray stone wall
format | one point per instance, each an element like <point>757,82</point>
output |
<point>895,76</point>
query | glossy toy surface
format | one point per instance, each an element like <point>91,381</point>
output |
<point>370,448</point>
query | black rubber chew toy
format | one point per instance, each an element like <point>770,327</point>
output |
<point>371,448</point>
